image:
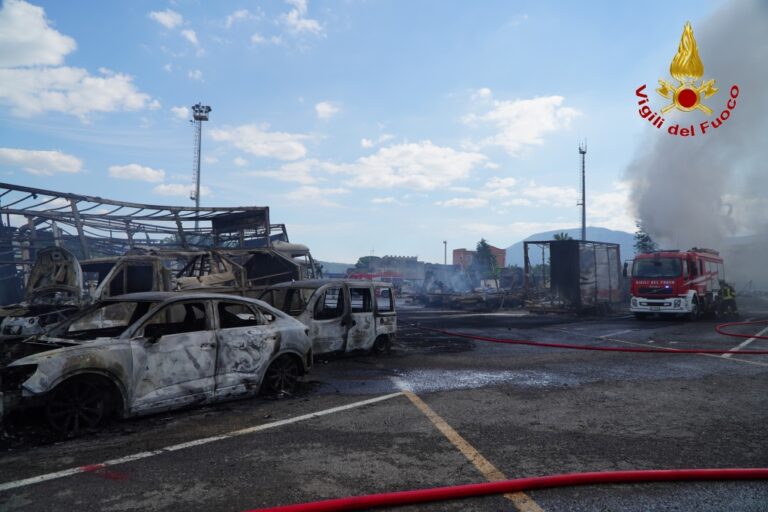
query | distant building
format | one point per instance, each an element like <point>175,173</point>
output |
<point>464,258</point>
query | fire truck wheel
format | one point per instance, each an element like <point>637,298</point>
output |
<point>694,314</point>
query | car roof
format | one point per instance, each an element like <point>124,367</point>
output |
<point>317,283</point>
<point>163,296</point>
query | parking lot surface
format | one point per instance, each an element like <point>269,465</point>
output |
<point>440,410</point>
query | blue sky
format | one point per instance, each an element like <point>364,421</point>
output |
<point>370,126</point>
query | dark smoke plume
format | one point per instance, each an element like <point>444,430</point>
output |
<point>696,191</point>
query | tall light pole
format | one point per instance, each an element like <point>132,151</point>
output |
<point>199,114</point>
<point>583,153</point>
<point>445,252</point>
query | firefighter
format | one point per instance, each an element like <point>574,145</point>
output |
<point>728,299</point>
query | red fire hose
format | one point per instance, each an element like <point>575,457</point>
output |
<point>392,499</point>
<point>720,329</point>
<point>542,482</point>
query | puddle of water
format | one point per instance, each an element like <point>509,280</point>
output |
<point>440,380</point>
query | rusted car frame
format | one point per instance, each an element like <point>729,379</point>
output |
<point>148,352</point>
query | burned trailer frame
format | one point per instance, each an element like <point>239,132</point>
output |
<point>572,276</point>
<point>92,227</point>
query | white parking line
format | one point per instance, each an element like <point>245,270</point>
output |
<point>143,455</point>
<point>744,344</point>
<point>615,333</point>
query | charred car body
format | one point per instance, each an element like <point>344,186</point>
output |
<point>59,284</point>
<point>148,352</point>
<point>341,315</point>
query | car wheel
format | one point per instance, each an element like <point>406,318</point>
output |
<point>382,345</point>
<point>76,406</point>
<point>282,376</point>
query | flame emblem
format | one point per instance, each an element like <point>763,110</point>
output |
<point>687,68</point>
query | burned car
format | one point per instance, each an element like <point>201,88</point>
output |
<point>342,315</point>
<point>53,293</point>
<point>148,352</point>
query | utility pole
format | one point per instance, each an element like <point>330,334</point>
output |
<point>445,252</point>
<point>583,153</point>
<point>199,114</point>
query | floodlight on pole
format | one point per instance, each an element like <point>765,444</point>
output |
<point>199,114</point>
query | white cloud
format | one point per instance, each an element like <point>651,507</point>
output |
<point>30,85</point>
<point>136,172</point>
<point>421,166</point>
<point>611,209</point>
<point>296,19</point>
<point>257,38</point>
<point>496,182</point>
<point>315,195</point>
<point>257,140</point>
<point>178,189</point>
<point>546,196</point>
<point>483,93</point>
<point>240,161</point>
<point>464,202</point>
<point>69,90</point>
<point>385,200</point>
<point>369,143</point>
<point>181,112</point>
<point>190,36</point>
<point>326,110</point>
<point>302,172</point>
<point>210,160</point>
<point>167,18</point>
<point>241,15</point>
<point>195,74</point>
<point>168,67</point>
<point>26,39</point>
<point>40,162</point>
<point>523,123</point>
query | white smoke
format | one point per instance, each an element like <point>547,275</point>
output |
<point>695,191</point>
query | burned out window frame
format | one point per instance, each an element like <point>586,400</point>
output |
<point>207,309</point>
<point>321,302</point>
<point>259,318</point>
<point>391,296</point>
<point>366,306</point>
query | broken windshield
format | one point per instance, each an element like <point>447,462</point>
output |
<point>104,319</point>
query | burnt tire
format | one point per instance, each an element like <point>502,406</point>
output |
<point>382,345</point>
<point>282,376</point>
<point>77,406</point>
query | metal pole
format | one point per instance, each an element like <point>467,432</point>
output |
<point>198,134</point>
<point>583,153</point>
<point>445,252</point>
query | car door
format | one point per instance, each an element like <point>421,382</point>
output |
<point>246,342</point>
<point>362,331</point>
<point>174,356</point>
<point>328,326</point>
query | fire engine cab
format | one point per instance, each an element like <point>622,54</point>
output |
<point>678,282</point>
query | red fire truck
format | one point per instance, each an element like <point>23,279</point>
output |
<point>680,282</point>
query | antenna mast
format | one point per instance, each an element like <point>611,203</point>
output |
<point>199,114</point>
<point>583,153</point>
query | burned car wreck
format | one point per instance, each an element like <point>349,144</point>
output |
<point>149,352</point>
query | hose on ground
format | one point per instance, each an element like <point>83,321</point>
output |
<point>640,350</point>
<point>453,492</point>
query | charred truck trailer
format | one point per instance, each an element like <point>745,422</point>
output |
<point>572,276</point>
<point>691,283</point>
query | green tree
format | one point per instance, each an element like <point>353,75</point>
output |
<point>484,262</point>
<point>562,236</point>
<point>644,244</point>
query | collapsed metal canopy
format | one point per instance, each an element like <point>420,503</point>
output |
<point>93,218</point>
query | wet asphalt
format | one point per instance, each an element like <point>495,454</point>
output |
<point>528,410</point>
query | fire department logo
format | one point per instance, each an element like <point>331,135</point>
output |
<point>687,94</point>
<point>687,68</point>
